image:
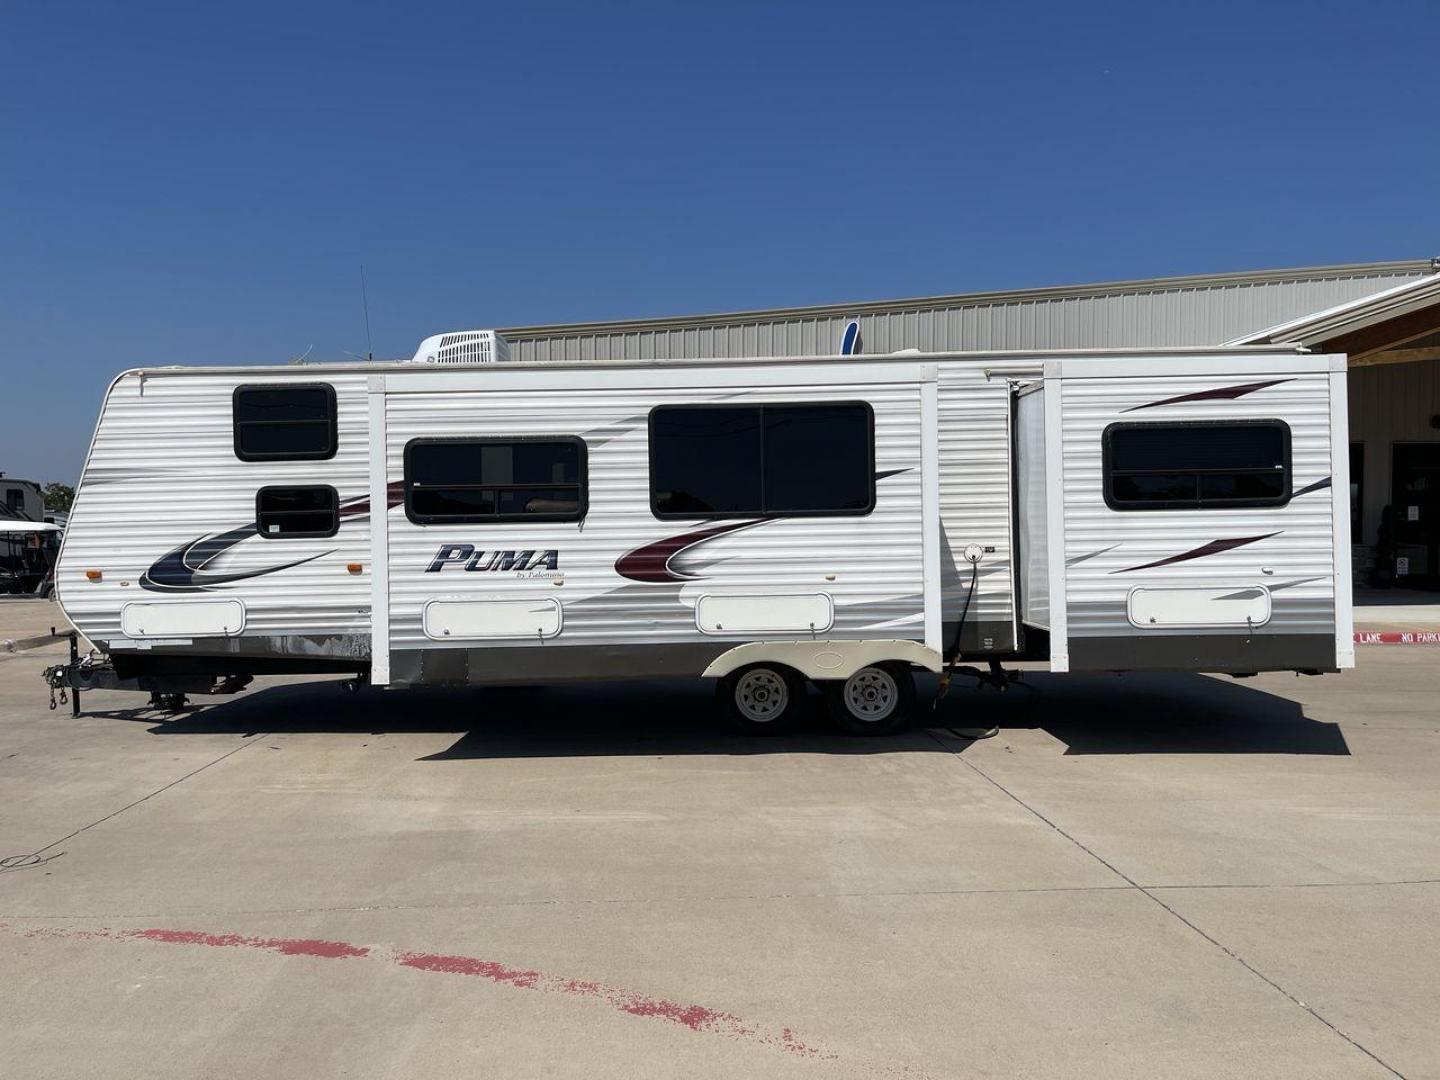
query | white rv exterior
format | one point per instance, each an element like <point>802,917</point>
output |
<point>987,533</point>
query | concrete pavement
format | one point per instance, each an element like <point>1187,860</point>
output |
<point>1140,877</point>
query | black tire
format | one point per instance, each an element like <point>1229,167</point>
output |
<point>876,700</point>
<point>762,699</point>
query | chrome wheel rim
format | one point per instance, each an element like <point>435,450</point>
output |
<point>871,694</point>
<point>761,696</point>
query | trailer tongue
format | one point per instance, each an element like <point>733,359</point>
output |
<point>95,671</point>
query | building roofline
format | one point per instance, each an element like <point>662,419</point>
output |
<point>1322,326</point>
<point>975,299</point>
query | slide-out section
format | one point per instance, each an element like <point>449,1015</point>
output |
<point>1185,513</point>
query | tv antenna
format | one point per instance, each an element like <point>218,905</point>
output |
<point>365,306</point>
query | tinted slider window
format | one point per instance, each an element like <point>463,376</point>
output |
<point>1177,466</point>
<point>297,511</point>
<point>728,460</point>
<point>284,423</point>
<point>458,480</point>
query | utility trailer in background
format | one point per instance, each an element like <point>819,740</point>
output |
<point>468,520</point>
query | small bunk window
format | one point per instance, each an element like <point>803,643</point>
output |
<point>1195,466</point>
<point>529,478</point>
<point>710,461</point>
<point>284,423</point>
<point>297,511</point>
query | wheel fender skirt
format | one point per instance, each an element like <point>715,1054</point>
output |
<point>824,659</point>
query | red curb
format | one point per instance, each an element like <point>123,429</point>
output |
<point>1397,637</point>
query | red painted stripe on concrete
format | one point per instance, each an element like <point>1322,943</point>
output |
<point>1397,637</point>
<point>330,950</point>
<point>695,1017</point>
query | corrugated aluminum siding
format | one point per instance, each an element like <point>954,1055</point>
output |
<point>864,563</point>
<point>1163,312</point>
<point>975,503</point>
<point>163,472</point>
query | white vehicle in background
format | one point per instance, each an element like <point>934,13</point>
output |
<point>465,519</point>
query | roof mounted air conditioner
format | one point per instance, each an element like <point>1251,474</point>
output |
<point>463,347</point>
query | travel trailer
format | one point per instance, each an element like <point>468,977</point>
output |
<point>21,499</point>
<point>467,519</point>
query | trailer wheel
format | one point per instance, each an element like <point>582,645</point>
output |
<point>763,699</point>
<point>876,700</point>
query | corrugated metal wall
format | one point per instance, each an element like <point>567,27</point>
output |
<point>1176,311</point>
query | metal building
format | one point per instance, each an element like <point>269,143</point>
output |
<point>1385,316</point>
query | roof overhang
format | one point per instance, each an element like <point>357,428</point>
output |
<point>1365,326</point>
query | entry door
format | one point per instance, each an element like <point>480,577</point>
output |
<point>1415,496</point>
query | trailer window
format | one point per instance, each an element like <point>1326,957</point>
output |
<point>284,423</point>
<point>297,511</point>
<point>536,478</point>
<point>1180,466</point>
<point>780,459</point>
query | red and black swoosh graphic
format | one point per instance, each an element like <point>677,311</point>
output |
<point>1214,547</point>
<point>651,562</point>
<point>1319,485</point>
<point>184,569</point>
<point>1222,393</point>
<point>394,496</point>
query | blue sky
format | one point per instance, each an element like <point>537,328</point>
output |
<point>199,183</point>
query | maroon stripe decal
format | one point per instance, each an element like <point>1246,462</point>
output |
<point>394,496</point>
<point>1319,485</point>
<point>651,563</point>
<point>1214,547</point>
<point>1224,393</point>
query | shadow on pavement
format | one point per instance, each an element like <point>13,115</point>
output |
<point>1383,598</point>
<point>1089,714</point>
<point>1155,714</point>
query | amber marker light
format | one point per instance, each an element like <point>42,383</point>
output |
<point>93,575</point>
<point>354,567</point>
